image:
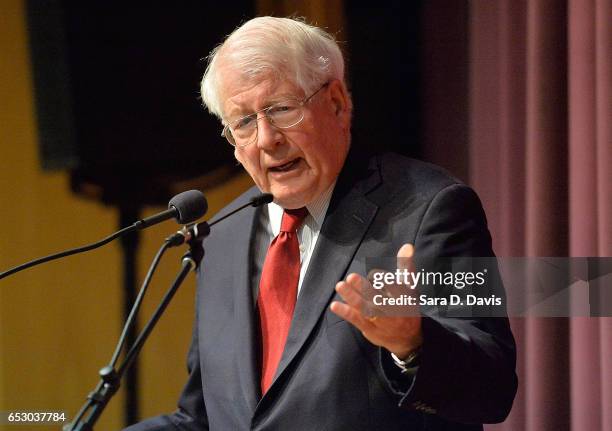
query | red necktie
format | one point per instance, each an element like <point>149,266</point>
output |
<point>278,292</point>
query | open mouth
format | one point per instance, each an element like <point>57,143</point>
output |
<point>286,167</point>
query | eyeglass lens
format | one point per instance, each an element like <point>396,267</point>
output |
<point>282,115</point>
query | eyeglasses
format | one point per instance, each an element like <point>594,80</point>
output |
<point>282,115</point>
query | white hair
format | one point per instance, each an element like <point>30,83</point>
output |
<point>286,48</point>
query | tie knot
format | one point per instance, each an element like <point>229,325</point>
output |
<point>293,219</point>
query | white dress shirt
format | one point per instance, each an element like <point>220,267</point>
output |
<point>268,227</point>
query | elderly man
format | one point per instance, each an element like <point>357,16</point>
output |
<point>282,340</point>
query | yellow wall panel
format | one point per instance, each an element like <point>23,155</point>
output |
<point>59,322</point>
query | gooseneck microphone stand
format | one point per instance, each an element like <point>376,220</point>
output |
<point>110,377</point>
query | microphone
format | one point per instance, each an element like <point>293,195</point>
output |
<point>196,231</point>
<point>186,207</point>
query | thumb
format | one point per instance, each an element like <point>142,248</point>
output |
<point>405,262</point>
<point>405,257</point>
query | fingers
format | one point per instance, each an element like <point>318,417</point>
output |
<point>351,315</point>
<point>398,334</point>
<point>354,290</point>
<point>350,291</point>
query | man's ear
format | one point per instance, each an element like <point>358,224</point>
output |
<point>341,101</point>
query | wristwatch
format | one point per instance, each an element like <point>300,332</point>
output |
<point>410,363</point>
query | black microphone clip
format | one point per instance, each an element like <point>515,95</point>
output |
<point>188,234</point>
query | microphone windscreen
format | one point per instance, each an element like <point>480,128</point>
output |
<point>190,206</point>
<point>264,198</point>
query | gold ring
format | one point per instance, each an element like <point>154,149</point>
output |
<point>372,319</point>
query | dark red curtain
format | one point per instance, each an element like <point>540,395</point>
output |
<point>539,153</point>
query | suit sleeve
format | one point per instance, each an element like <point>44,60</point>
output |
<point>467,364</point>
<point>191,412</point>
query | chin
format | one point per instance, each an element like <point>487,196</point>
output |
<point>291,200</point>
<point>289,203</point>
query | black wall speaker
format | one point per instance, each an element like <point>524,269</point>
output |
<point>384,71</point>
<point>117,92</point>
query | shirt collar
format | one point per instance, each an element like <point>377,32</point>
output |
<point>316,211</point>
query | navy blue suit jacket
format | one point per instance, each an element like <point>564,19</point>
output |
<point>330,377</point>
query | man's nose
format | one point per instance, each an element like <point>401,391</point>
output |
<point>268,136</point>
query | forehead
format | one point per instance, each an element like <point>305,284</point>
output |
<point>242,95</point>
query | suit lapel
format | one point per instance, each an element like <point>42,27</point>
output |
<point>348,218</point>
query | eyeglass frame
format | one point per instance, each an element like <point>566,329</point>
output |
<point>265,111</point>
